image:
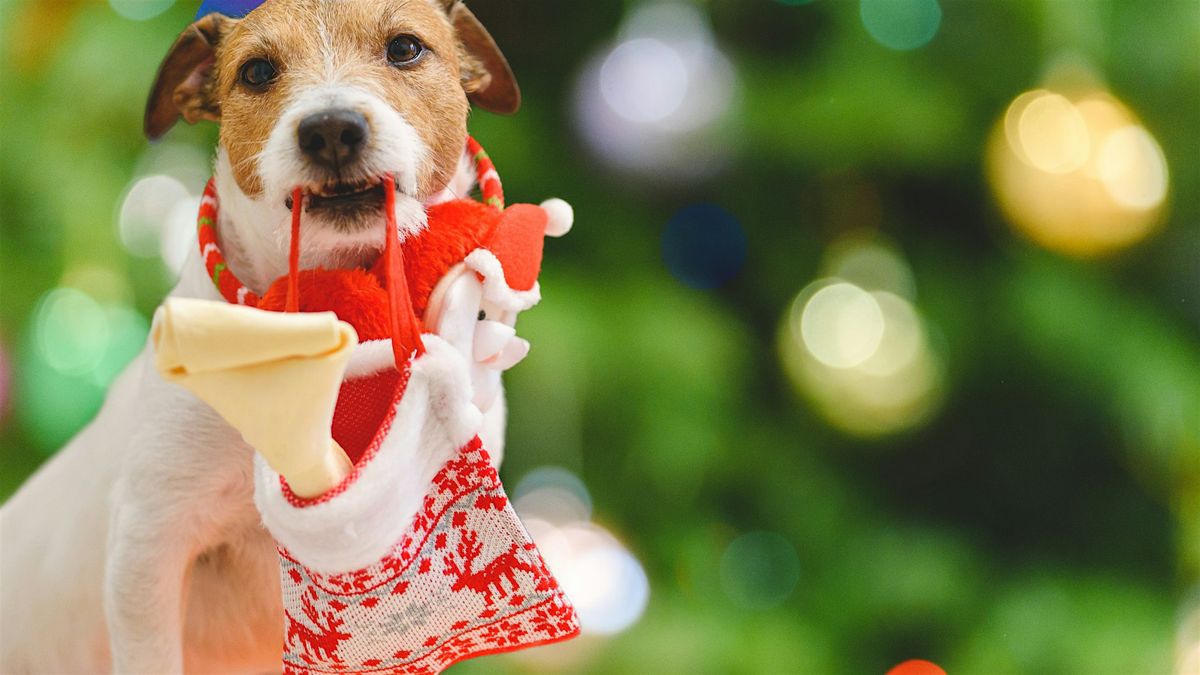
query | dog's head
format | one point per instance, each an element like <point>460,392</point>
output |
<point>330,95</point>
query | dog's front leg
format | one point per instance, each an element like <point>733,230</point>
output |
<point>179,494</point>
<point>148,557</point>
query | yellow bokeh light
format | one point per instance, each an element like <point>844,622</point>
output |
<point>1051,133</point>
<point>861,357</point>
<point>1077,174</point>
<point>1132,168</point>
<point>870,263</point>
<point>841,325</point>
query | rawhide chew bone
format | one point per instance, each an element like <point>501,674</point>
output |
<point>274,377</point>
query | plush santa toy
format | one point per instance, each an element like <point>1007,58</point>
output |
<point>400,552</point>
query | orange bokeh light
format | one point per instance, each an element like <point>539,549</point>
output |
<point>917,667</point>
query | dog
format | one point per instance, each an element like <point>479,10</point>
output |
<point>138,548</point>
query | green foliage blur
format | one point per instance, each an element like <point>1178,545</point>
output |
<point>1044,519</point>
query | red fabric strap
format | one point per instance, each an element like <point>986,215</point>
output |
<point>403,319</point>
<point>293,295</point>
<point>232,288</point>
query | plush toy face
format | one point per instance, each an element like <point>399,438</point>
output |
<point>485,334</point>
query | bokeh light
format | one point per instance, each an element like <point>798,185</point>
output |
<point>157,216</point>
<point>76,346</point>
<point>179,235</point>
<point>644,80</point>
<point>5,381</point>
<point>145,210</point>
<point>1187,635</point>
<point>1050,133</point>
<point>870,263</point>
<point>1077,172</point>
<point>605,582</point>
<point>1133,168</point>
<point>862,356</point>
<point>759,570</point>
<point>140,10</point>
<point>659,100</point>
<point>917,667</point>
<point>184,162</point>
<point>553,494</point>
<point>842,325</point>
<point>901,24</point>
<point>704,246</point>
<point>72,331</point>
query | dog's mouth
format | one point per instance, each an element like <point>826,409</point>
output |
<point>346,198</point>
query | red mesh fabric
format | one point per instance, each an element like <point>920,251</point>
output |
<point>362,405</point>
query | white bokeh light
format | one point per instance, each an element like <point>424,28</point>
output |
<point>644,80</point>
<point>602,578</point>
<point>1052,133</point>
<point>554,494</point>
<point>184,162</point>
<point>604,581</point>
<point>842,325</point>
<point>859,350</point>
<point>145,211</point>
<point>659,99</point>
<point>179,235</point>
<point>1133,168</point>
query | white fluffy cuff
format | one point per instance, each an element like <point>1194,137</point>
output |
<point>360,524</point>
<point>495,286</point>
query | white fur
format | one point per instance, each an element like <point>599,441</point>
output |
<point>463,182</point>
<point>495,288</point>
<point>560,217</point>
<point>138,548</point>
<point>370,357</point>
<point>256,231</point>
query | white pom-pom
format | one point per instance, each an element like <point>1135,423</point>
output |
<point>562,217</point>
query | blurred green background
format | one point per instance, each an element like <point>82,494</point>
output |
<point>858,354</point>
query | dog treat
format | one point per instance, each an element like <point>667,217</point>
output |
<point>274,377</point>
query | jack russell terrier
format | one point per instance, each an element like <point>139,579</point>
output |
<point>138,549</point>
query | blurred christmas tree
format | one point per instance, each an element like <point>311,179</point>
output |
<point>876,339</point>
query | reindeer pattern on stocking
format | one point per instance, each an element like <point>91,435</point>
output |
<point>466,553</point>
<point>489,581</point>
<point>319,640</point>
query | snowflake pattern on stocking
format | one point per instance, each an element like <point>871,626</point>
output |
<point>464,581</point>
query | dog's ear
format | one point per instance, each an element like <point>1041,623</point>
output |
<point>486,76</point>
<point>184,82</point>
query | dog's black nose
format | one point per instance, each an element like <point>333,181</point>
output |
<point>332,138</point>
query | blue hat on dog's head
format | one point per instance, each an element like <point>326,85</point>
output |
<point>231,8</point>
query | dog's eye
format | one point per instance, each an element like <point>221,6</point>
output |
<point>258,73</point>
<point>404,50</point>
<point>482,315</point>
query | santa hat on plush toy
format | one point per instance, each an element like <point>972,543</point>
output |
<point>504,248</point>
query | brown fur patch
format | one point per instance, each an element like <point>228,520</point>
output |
<point>310,40</point>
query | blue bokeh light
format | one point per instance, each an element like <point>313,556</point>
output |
<point>901,24</point>
<point>704,246</point>
<point>231,8</point>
